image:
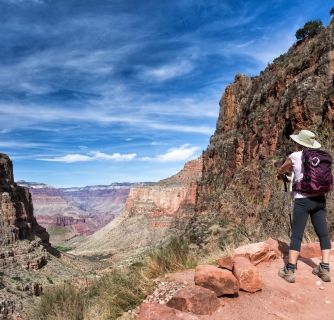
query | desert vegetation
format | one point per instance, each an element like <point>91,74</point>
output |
<point>120,290</point>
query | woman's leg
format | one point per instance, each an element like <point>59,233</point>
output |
<point>318,218</point>
<point>299,220</point>
<point>300,216</point>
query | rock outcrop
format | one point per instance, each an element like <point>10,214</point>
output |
<point>23,241</point>
<point>151,213</point>
<point>257,116</point>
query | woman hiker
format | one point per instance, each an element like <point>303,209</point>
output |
<point>305,205</point>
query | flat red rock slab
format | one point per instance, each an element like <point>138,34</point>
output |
<point>195,299</point>
<point>221,281</point>
<point>156,311</point>
<point>255,252</point>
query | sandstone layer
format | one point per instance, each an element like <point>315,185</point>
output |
<point>151,213</point>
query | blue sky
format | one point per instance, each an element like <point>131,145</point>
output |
<point>101,91</point>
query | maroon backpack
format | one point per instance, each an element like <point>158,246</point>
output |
<point>317,172</point>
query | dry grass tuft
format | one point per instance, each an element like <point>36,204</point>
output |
<point>118,291</point>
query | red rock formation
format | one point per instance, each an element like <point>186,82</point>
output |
<point>195,299</point>
<point>23,240</point>
<point>170,202</point>
<point>258,114</point>
<point>255,253</point>
<point>247,274</point>
<point>150,213</point>
<point>225,263</point>
<point>220,281</point>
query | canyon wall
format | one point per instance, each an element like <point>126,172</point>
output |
<point>69,212</point>
<point>257,115</point>
<point>22,240</point>
<point>151,213</point>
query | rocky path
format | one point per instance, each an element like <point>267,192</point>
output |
<point>307,298</point>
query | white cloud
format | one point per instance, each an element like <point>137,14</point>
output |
<point>174,154</point>
<point>93,156</point>
<point>116,156</point>
<point>168,71</point>
<point>68,158</point>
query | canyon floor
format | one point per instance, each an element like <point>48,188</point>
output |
<point>307,298</point>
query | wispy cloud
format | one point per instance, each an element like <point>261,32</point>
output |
<point>168,71</point>
<point>93,156</point>
<point>174,154</point>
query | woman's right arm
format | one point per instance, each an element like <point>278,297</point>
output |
<point>283,169</point>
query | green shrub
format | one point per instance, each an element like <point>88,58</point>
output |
<point>311,28</point>
<point>64,249</point>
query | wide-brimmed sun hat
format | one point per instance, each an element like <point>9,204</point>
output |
<point>306,138</point>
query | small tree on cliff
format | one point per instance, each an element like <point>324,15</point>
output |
<point>332,11</point>
<point>311,28</point>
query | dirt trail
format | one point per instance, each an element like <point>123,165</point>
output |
<point>307,298</point>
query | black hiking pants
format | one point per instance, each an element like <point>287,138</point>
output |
<point>315,207</point>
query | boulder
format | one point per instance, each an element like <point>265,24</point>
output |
<point>225,263</point>
<point>255,252</point>
<point>154,311</point>
<point>310,250</point>
<point>281,248</point>
<point>221,281</point>
<point>247,274</point>
<point>195,299</point>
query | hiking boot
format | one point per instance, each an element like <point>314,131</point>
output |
<point>322,273</point>
<point>287,274</point>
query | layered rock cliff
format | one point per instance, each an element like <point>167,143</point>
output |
<point>151,213</point>
<point>69,212</point>
<point>22,240</point>
<point>257,115</point>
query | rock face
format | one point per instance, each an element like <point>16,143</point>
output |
<point>80,211</point>
<point>150,213</point>
<point>22,239</point>
<point>257,115</point>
